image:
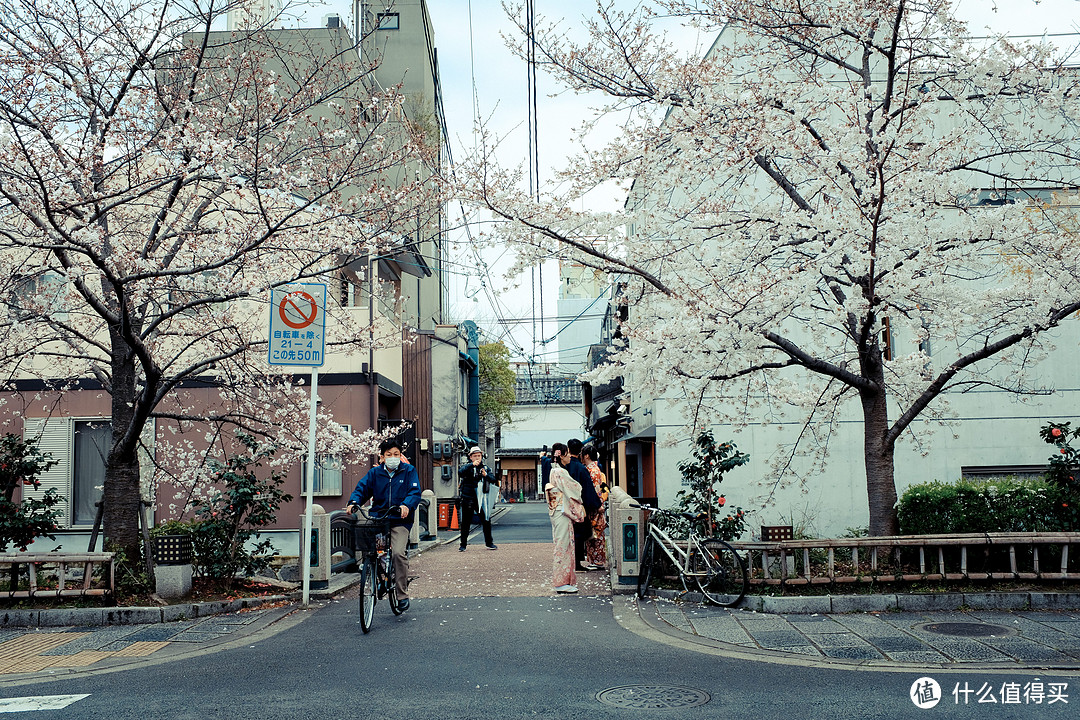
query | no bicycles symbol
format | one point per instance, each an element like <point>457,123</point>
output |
<point>298,325</point>
<point>298,309</point>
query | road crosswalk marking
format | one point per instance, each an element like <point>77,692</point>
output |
<point>39,702</point>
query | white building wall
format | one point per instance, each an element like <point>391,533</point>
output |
<point>991,428</point>
<point>533,426</point>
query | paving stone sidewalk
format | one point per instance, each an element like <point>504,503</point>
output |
<point>972,638</point>
<point>54,649</point>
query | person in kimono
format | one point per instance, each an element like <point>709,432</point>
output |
<point>564,508</point>
<point>596,546</point>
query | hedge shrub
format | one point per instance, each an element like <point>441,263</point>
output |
<point>999,505</point>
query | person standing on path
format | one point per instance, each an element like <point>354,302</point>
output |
<point>393,482</point>
<point>596,545</point>
<point>589,498</point>
<point>475,481</point>
<point>563,495</point>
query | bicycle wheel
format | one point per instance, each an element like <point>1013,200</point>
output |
<point>645,567</point>
<point>391,585</point>
<point>719,572</point>
<point>367,594</point>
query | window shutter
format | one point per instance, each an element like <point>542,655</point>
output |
<point>53,436</point>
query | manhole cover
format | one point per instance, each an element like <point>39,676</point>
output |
<point>967,629</point>
<point>652,697</point>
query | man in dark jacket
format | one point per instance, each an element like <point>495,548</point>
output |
<point>392,482</point>
<point>474,481</point>
<point>557,455</point>
<point>589,498</point>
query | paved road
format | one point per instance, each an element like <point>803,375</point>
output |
<point>518,657</point>
<point>513,653</point>
<point>521,523</point>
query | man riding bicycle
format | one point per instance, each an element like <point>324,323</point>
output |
<point>393,482</point>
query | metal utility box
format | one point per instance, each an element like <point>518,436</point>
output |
<point>627,535</point>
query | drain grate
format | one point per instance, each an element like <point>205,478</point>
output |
<point>652,697</point>
<point>966,629</point>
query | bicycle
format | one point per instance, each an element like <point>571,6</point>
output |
<point>710,564</point>
<point>377,576</point>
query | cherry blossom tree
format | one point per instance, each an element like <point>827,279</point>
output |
<point>839,211</point>
<point>158,176</point>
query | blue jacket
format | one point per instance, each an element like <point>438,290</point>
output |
<point>546,463</point>
<point>385,491</point>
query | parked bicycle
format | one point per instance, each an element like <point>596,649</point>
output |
<point>377,576</point>
<point>709,564</point>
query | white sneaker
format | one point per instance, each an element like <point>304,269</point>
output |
<point>566,589</point>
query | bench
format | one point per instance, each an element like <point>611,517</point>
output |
<point>59,574</point>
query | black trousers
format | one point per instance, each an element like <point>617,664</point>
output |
<point>468,509</point>
<point>582,532</point>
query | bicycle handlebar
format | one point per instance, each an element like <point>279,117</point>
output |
<point>392,513</point>
<point>685,515</point>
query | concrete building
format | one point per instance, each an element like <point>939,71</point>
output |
<point>583,295</point>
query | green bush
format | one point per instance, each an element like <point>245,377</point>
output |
<point>242,503</point>
<point>1000,505</point>
<point>21,522</point>
<point>173,527</point>
<point>703,473</point>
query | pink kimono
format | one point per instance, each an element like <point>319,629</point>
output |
<point>565,508</point>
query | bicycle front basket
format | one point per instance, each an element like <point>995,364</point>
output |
<point>366,535</point>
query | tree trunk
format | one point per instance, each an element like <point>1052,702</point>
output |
<point>121,495</point>
<point>878,459</point>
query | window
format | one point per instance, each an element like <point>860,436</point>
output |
<point>92,439</point>
<point>353,290</point>
<point>327,476</point>
<point>79,447</point>
<point>37,296</point>
<point>389,21</point>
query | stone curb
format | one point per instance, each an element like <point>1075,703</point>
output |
<point>821,604</point>
<point>88,617</point>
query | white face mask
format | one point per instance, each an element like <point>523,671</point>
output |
<point>392,463</point>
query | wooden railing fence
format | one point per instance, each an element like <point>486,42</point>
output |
<point>914,558</point>
<point>58,574</point>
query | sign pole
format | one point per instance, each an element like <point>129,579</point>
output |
<point>305,546</point>
<point>298,337</point>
